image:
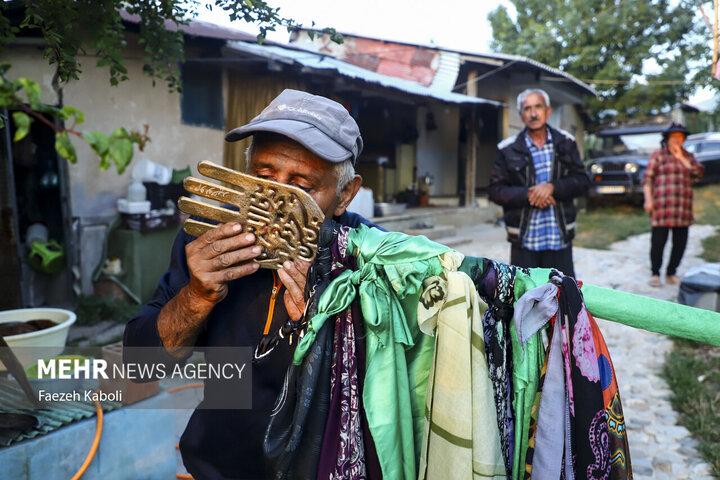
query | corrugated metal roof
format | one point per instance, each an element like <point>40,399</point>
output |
<point>534,63</point>
<point>447,71</point>
<point>497,56</point>
<point>320,62</point>
<point>51,418</point>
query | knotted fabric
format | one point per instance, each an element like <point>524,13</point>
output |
<point>388,282</point>
<point>580,429</point>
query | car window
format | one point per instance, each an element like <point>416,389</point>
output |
<point>639,143</point>
<point>692,147</point>
<point>710,147</point>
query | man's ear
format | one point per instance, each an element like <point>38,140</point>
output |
<point>347,194</point>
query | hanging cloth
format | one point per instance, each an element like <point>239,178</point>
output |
<point>461,438</point>
<point>388,283</point>
<point>579,430</point>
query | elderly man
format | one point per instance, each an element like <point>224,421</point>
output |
<point>535,177</point>
<point>214,295</point>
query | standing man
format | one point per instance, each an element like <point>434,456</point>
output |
<point>535,178</point>
<point>214,295</point>
<point>668,199</point>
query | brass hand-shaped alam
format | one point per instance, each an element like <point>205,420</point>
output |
<point>285,219</point>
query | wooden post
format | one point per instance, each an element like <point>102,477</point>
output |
<point>471,160</point>
<point>472,144</point>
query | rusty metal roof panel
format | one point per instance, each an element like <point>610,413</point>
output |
<point>318,62</point>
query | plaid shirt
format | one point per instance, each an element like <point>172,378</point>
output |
<point>672,191</point>
<point>543,232</point>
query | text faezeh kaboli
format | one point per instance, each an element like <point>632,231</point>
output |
<point>618,161</point>
<point>76,396</point>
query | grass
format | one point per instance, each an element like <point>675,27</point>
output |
<point>707,211</point>
<point>692,371</point>
<point>600,227</point>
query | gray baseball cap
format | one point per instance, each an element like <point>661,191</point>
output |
<point>321,125</point>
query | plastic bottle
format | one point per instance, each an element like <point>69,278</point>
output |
<point>136,191</point>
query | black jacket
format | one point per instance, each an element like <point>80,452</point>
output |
<point>514,172</point>
<point>225,444</point>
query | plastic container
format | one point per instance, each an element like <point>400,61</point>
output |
<point>147,171</point>
<point>48,257</point>
<point>51,340</point>
<point>136,192</point>
<point>124,206</point>
<point>37,232</point>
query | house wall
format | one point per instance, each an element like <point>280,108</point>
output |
<point>131,104</point>
<point>437,150</point>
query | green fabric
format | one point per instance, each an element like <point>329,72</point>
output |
<point>526,374</point>
<point>526,371</point>
<point>391,269</point>
<point>653,315</point>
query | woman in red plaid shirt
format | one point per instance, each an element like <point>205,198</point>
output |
<point>668,199</point>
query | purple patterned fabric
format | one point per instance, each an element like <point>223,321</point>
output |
<point>343,440</point>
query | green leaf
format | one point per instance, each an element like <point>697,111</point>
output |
<point>22,125</point>
<point>70,111</point>
<point>98,141</point>
<point>121,149</point>
<point>32,90</point>
<point>64,147</point>
<point>104,161</point>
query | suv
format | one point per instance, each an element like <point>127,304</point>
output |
<point>706,148</point>
<point>617,167</point>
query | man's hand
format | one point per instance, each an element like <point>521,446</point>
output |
<point>540,196</point>
<point>213,260</point>
<point>293,275</point>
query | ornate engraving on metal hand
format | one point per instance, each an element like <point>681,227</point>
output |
<point>285,219</point>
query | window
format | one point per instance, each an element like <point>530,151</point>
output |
<point>710,147</point>
<point>201,102</point>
